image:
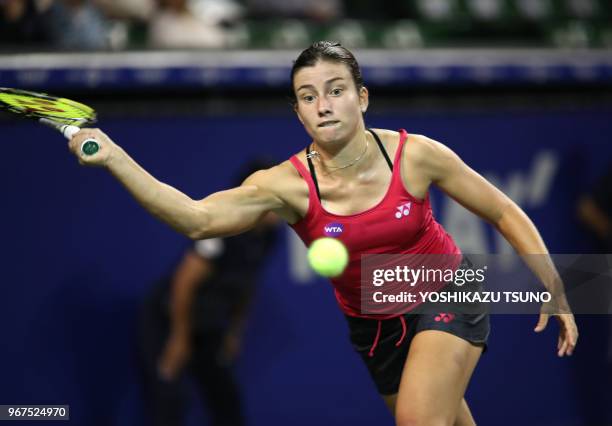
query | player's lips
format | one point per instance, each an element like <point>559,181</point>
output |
<point>328,123</point>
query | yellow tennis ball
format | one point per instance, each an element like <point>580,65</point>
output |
<point>328,257</point>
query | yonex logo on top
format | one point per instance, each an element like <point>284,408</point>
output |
<point>403,210</point>
<point>333,229</point>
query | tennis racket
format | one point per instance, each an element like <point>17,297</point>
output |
<point>59,113</point>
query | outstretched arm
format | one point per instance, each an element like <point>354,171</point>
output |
<point>220,214</point>
<point>446,170</point>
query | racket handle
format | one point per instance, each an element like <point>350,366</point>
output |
<point>88,147</point>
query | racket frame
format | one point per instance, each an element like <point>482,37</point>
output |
<point>88,147</point>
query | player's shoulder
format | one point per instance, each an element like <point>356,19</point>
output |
<point>275,172</point>
<point>421,149</point>
<point>417,147</point>
<point>283,183</point>
<point>421,141</point>
<point>389,138</point>
<point>272,178</point>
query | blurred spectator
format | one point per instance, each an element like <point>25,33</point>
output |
<point>22,22</point>
<point>437,10</point>
<point>389,10</point>
<point>318,10</point>
<point>582,8</point>
<point>595,211</point>
<point>217,12</point>
<point>486,10</point>
<point>175,25</point>
<point>193,323</point>
<point>537,10</point>
<point>78,25</point>
<point>131,10</point>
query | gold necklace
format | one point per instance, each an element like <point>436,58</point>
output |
<point>315,154</point>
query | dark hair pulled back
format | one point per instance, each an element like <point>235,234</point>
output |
<point>326,51</point>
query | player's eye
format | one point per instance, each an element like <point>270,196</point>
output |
<point>336,92</point>
<point>308,98</point>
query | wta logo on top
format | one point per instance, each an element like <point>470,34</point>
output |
<point>334,229</point>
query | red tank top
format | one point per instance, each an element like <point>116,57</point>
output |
<point>398,224</point>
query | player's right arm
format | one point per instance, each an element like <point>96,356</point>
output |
<point>223,213</point>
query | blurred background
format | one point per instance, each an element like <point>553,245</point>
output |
<point>520,89</point>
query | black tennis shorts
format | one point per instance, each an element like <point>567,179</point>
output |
<point>378,346</point>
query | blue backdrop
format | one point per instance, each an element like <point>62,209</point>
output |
<point>79,255</point>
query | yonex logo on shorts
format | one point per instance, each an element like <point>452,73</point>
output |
<point>444,317</point>
<point>333,229</point>
<point>403,210</point>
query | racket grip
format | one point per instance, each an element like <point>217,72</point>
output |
<point>68,131</point>
<point>88,147</point>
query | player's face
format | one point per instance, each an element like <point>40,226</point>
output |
<point>329,105</point>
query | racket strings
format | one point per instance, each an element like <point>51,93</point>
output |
<point>36,105</point>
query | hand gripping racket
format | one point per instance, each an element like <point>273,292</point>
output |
<point>59,113</point>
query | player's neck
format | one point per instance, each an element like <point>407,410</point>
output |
<point>343,156</point>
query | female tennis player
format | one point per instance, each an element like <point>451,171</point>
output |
<point>360,177</point>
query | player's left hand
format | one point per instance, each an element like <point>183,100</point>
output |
<point>568,331</point>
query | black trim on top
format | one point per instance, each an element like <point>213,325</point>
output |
<point>382,148</point>
<point>312,171</point>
